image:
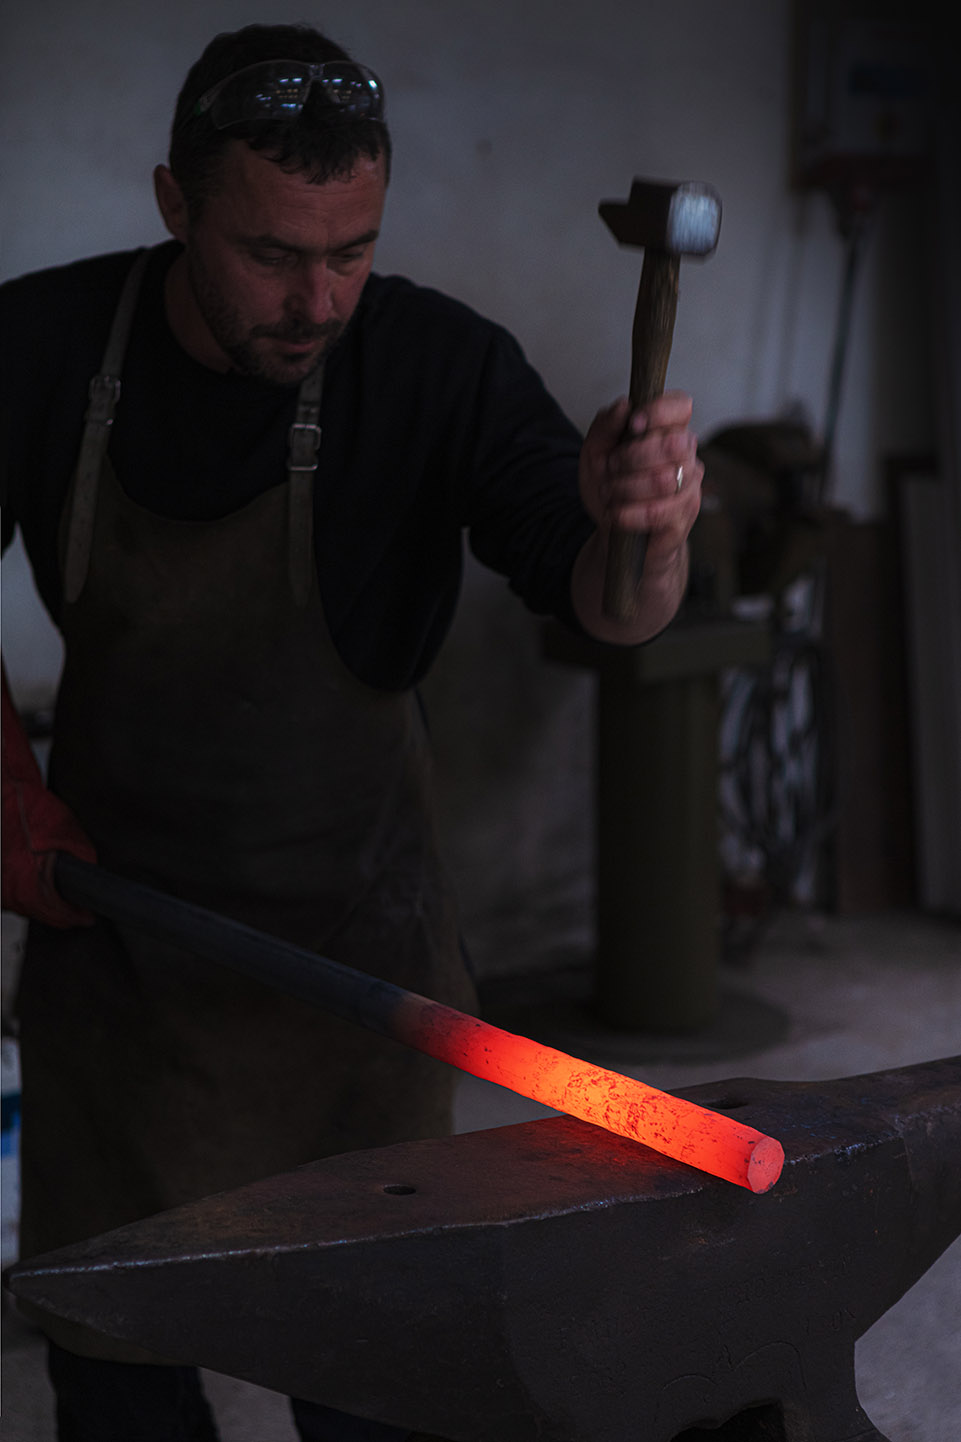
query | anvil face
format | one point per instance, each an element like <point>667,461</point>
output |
<point>551,1281</point>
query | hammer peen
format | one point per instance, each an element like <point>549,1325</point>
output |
<point>669,220</point>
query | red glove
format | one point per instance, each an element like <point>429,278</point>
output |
<point>35,825</point>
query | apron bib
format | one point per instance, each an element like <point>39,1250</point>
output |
<point>213,744</point>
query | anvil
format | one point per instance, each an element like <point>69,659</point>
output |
<point>552,1281</point>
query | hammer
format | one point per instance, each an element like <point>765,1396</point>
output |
<point>668,220</point>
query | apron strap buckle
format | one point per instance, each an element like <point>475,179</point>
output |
<point>303,442</point>
<point>104,393</point>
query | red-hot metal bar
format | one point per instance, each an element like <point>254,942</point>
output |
<point>705,1139</point>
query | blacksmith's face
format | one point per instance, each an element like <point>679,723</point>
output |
<point>276,264</point>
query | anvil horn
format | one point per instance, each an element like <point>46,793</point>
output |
<point>553,1281</point>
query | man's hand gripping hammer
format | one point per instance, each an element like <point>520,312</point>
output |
<point>669,221</point>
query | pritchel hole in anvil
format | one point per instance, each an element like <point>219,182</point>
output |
<point>399,1189</point>
<point>726,1104</point>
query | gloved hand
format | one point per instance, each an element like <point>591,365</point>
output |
<point>36,824</point>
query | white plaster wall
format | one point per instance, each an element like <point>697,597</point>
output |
<point>511,120</point>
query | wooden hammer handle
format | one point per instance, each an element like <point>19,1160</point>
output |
<point>650,352</point>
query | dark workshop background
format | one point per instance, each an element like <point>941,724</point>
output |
<point>510,123</point>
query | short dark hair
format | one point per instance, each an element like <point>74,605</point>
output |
<point>308,143</point>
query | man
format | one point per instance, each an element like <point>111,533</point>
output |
<point>249,537</point>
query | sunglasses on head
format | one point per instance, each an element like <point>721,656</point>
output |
<point>278,89</point>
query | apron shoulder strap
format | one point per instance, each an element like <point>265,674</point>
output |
<point>303,444</point>
<point>103,396</point>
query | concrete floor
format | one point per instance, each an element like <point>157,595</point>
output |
<point>819,998</point>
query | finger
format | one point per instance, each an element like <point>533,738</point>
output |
<point>667,411</point>
<point>609,425</point>
<point>660,503</point>
<point>661,449</point>
<point>666,525</point>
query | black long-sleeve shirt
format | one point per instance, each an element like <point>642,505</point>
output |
<point>433,422</point>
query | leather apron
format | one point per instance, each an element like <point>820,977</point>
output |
<point>213,744</point>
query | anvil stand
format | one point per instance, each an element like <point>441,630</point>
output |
<point>657,713</point>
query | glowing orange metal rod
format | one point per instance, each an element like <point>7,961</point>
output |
<point>705,1139</point>
<point>680,1129</point>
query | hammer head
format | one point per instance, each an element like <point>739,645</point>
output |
<point>677,218</point>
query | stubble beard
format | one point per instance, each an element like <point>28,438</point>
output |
<point>250,350</point>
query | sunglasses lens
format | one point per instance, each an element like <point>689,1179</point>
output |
<point>264,92</point>
<point>351,88</point>
<point>278,90</point>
